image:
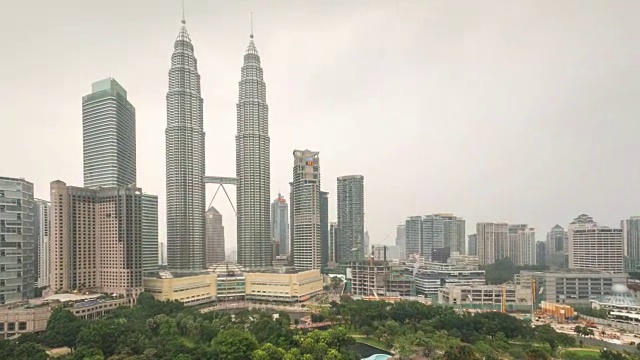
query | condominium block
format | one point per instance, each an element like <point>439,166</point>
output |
<point>324,228</point>
<point>305,210</point>
<point>96,239</point>
<point>557,247</point>
<point>595,247</point>
<point>333,240</point>
<point>350,201</point>
<point>41,229</point>
<point>522,245</point>
<point>17,240</point>
<point>493,242</point>
<point>472,245</point>
<point>108,136</point>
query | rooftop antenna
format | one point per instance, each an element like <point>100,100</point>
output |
<point>183,19</point>
<point>251,35</point>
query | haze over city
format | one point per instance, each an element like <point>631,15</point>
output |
<point>519,112</point>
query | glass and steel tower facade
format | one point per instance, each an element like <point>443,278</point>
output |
<point>149,225</point>
<point>253,165</point>
<point>108,136</point>
<point>280,224</point>
<point>351,218</point>
<point>17,240</point>
<point>185,164</point>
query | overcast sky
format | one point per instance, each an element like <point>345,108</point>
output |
<point>515,111</point>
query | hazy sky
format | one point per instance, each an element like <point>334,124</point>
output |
<point>516,111</point>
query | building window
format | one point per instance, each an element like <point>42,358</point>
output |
<point>22,326</point>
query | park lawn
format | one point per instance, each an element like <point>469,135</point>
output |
<point>373,342</point>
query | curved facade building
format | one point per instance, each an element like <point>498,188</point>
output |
<point>185,160</point>
<point>253,165</point>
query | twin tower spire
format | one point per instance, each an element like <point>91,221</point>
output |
<point>185,162</point>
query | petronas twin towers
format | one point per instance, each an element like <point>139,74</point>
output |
<point>185,162</point>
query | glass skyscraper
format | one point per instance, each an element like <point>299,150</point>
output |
<point>108,136</point>
<point>253,165</point>
<point>185,154</point>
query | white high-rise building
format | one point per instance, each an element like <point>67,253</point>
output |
<point>185,160</point>
<point>522,245</point>
<point>305,210</point>
<point>350,199</point>
<point>492,242</point>
<point>108,136</point>
<point>631,235</point>
<point>41,224</point>
<point>595,247</point>
<point>253,165</point>
<point>17,240</point>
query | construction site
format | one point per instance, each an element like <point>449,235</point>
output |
<point>379,280</point>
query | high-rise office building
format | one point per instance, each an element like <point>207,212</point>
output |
<point>631,236</point>
<point>150,232</point>
<point>401,236</point>
<point>305,210</point>
<point>541,253</point>
<point>215,237</point>
<point>472,245</point>
<point>595,247</point>
<point>413,236</point>
<point>492,242</point>
<point>105,253</point>
<point>432,234</point>
<point>454,232</point>
<point>351,218</point>
<point>324,228</point>
<point>557,248</point>
<point>280,224</point>
<point>108,136</point>
<point>41,231</point>
<point>333,240</point>
<point>253,165</point>
<point>17,240</point>
<point>185,160</point>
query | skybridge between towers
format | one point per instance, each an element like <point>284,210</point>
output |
<point>222,181</point>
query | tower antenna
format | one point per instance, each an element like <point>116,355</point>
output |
<point>251,35</point>
<point>183,18</point>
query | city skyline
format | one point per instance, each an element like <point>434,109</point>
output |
<point>297,83</point>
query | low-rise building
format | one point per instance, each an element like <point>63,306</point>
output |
<point>574,286</point>
<point>190,288</point>
<point>379,279</point>
<point>487,297</point>
<point>428,282</point>
<point>289,287</point>
<point>227,281</point>
<point>21,319</point>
